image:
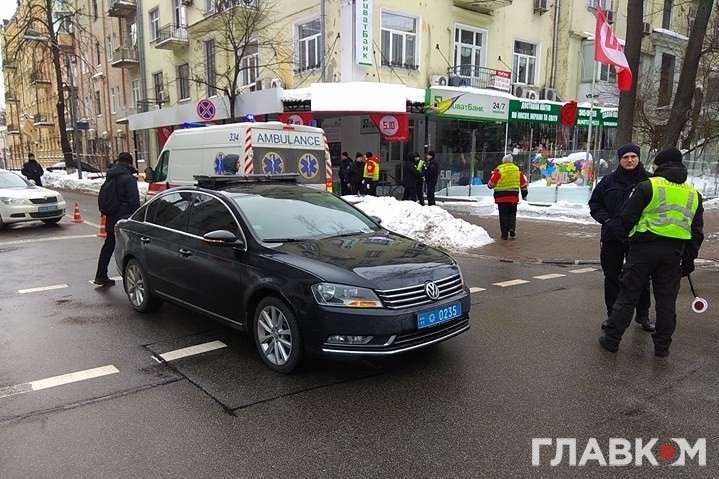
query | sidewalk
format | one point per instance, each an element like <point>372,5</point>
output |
<point>552,241</point>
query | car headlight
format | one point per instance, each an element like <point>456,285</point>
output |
<point>13,201</point>
<point>331,294</point>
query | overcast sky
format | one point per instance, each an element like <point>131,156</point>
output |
<point>7,9</point>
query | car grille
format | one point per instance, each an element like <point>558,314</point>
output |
<point>42,201</point>
<point>45,214</point>
<point>416,296</point>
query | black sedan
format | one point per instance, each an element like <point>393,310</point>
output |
<point>299,269</point>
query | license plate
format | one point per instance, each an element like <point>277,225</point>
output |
<point>430,318</point>
<point>44,209</point>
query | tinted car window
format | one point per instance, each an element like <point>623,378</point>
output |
<point>209,214</point>
<point>300,213</point>
<point>139,215</point>
<point>170,210</point>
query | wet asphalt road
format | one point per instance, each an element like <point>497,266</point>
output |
<point>529,367</point>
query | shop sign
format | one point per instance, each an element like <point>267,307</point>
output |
<point>503,80</point>
<point>533,112</point>
<point>363,32</point>
<point>465,105</point>
<point>583,117</point>
<point>393,126</point>
<point>610,118</point>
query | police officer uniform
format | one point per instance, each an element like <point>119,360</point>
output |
<point>664,216</point>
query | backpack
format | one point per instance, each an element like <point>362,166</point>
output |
<point>108,201</point>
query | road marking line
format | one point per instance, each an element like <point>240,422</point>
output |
<point>43,288</point>
<point>116,278</point>
<point>550,276</point>
<point>583,270</point>
<point>192,350</point>
<point>513,282</point>
<point>476,290</point>
<point>57,381</point>
<point>39,240</point>
<point>86,222</point>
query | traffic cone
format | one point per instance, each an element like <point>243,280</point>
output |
<point>103,222</point>
<point>76,218</point>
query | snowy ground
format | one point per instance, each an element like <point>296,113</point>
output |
<point>711,204</point>
<point>430,224</point>
<point>91,182</point>
<point>561,212</point>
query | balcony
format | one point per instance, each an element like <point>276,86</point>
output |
<point>13,129</point>
<point>124,57</point>
<point>121,8</point>
<point>170,37</point>
<point>41,120</point>
<point>39,78</point>
<point>482,6</point>
<point>479,77</point>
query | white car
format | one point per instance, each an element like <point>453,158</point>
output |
<point>21,200</point>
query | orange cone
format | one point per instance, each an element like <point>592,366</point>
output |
<point>76,218</point>
<point>103,222</point>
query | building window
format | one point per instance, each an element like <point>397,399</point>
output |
<point>114,99</point>
<point>94,9</point>
<point>606,5</point>
<point>98,54</point>
<point>159,86</point>
<point>666,80</point>
<point>132,34</point>
<point>154,24</point>
<point>667,15</point>
<point>98,103</point>
<point>308,45</point>
<point>250,65</point>
<point>180,14</point>
<point>605,73</point>
<point>135,86</point>
<point>183,81</point>
<point>525,63</point>
<point>210,72</point>
<point>109,46</point>
<point>399,40</point>
<point>469,50</point>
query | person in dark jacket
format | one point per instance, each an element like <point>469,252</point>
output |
<point>119,198</point>
<point>356,174</point>
<point>665,220</point>
<point>410,177</point>
<point>32,170</point>
<point>346,174</point>
<point>605,206</point>
<point>431,176</point>
<point>230,164</point>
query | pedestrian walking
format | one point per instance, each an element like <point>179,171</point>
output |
<point>664,217</point>
<point>605,206</point>
<point>32,170</point>
<point>507,182</point>
<point>431,176</point>
<point>356,174</point>
<point>371,173</point>
<point>346,167</point>
<point>410,177</point>
<point>118,199</point>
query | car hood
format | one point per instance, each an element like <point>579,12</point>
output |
<point>29,193</point>
<point>381,260</point>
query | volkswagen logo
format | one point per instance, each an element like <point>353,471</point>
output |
<point>432,290</point>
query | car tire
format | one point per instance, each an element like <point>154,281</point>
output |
<point>134,280</point>
<point>52,221</point>
<point>2,225</point>
<point>277,335</point>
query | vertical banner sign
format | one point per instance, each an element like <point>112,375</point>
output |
<point>393,126</point>
<point>363,32</point>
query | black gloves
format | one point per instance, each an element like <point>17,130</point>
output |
<point>687,266</point>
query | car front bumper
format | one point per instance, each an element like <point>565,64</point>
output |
<point>31,212</point>
<point>394,331</point>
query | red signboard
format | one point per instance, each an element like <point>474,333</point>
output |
<point>301,118</point>
<point>393,126</point>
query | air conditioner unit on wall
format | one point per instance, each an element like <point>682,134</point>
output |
<point>439,80</point>
<point>550,94</point>
<point>532,95</point>
<point>647,28</point>
<point>520,91</point>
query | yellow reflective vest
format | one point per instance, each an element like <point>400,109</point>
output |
<point>670,212</point>
<point>509,179</point>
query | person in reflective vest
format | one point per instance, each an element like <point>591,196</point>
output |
<point>371,173</point>
<point>420,167</point>
<point>507,182</point>
<point>665,220</point>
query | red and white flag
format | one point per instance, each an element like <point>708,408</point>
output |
<point>609,51</point>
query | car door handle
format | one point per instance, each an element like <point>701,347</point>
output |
<point>185,252</point>
<point>144,239</point>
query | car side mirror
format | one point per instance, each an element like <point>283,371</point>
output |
<point>376,219</point>
<point>149,174</point>
<point>223,238</point>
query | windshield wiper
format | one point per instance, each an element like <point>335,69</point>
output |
<point>283,240</point>
<point>345,235</point>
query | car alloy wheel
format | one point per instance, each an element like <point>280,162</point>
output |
<point>135,284</point>
<point>274,335</point>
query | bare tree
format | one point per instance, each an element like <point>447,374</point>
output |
<point>633,50</point>
<point>244,38</point>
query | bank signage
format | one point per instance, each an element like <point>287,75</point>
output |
<point>455,103</point>
<point>533,112</point>
<point>363,32</point>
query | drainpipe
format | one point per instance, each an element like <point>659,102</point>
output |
<point>555,35</point>
<point>323,34</point>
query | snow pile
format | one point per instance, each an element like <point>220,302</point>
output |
<point>563,211</point>
<point>90,182</point>
<point>430,224</point>
<point>711,204</point>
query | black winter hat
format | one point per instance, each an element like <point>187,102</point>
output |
<point>670,155</point>
<point>628,148</point>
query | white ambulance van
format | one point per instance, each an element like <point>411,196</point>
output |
<point>255,148</point>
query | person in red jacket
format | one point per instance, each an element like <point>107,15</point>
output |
<point>507,182</point>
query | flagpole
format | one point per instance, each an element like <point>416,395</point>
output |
<point>591,120</point>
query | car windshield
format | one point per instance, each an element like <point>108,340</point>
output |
<point>11,180</point>
<point>287,214</point>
